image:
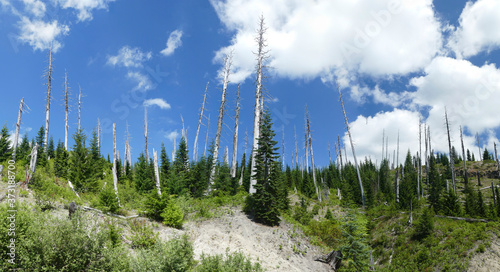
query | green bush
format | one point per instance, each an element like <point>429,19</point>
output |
<point>108,200</point>
<point>231,262</point>
<point>143,235</point>
<point>327,231</point>
<point>300,213</point>
<point>175,255</point>
<point>172,216</point>
<point>424,225</point>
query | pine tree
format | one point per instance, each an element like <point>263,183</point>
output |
<point>23,149</point>
<point>408,188</point>
<point>354,248</point>
<point>435,184</point>
<point>265,202</point>
<point>80,171</point>
<point>143,177</point>
<point>5,150</point>
<point>41,155</point>
<point>50,148</point>
<point>61,161</point>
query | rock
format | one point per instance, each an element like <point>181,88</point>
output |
<point>72,208</point>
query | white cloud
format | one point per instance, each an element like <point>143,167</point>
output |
<point>379,96</point>
<point>85,7</point>
<point>143,81</point>
<point>171,135</point>
<point>158,102</point>
<point>129,57</point>
<point>315,38</point>
<point>40,34</point>
<point>35,7</point>
<point>470,93</point>
<point>173,42</point>
<point>478,29</point>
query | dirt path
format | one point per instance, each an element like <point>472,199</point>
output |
<point>489,261</point>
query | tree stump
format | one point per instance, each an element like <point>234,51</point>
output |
<point>333,258</point>
<point>72,208</point>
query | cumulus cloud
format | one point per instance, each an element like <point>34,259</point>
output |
<point>84,7</point>
<point>171,135</point>
<point>157,102</point>
<point>318,38</point>
<point>379,96</point>
<point>129,57</point>
<point>143,82</point>
<point>40,35</point>
<point>173,42</point>
<point>478,29</point>
<point>35,7</point>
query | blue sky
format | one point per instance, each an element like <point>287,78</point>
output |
<point>396,61</point>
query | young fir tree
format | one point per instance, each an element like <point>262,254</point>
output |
<point>180,178</point>
<point>450,204</point>
<point>199,172</point>
<point>408,186</point>
<point>61,161</point>
<point>424,225</point>
<point>23,149</point>
<point>50,148</point>
<point>80,170</point>
<point>265,201</point>
<point>143,177</point>
<point>436,185</point>
<point>486,155</point>
<point>354,247</point>
<point>469,158</point>
<point>41,155</point>
<point>5,150</point>
<point>95,157</point>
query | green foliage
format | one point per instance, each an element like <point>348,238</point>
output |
<point>143,177</point>
<point>176,255</point>
<point>300,213</point>
<point>107,199</point>
<point>408,185</point>
<point>114,233</point>
<point>61,161</point>
<point>228,263</point>
<point>425,224</point>
<point>327,231</point>
<point>143,235</point>
<point>80,171</point>
<point>354,247</point>
<point>164,209</point>
<point>436,185</point>
<point>328,215</point>
<point>172,216</point>
<point>5,150</point>
<point>450,204</point>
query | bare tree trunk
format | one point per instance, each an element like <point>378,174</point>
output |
<point>127,150</point>
<point>329,153</point>
<point>98,134</point>
<point>195,148</point>
<point>479,147</point>
<point>397,173</point>
<point>426,157</point>
<point>226,156</point>
<point>283,150</point>
<point>352,147</point>
<point>146,133</point>
<point>493,191</point>
<point>79,109</point>
<point>296,150</point>
<point>466,179</point>
<point>227,69</point>
<point>47,108</point>
<point>174,151</point>
<point>18,126</point>
<point>496,158</point>
<point>261,57</point>
<point>66,110</point>
<point>383,144</point>
<point>419,170</point>
<point>206,138</point>
<point>339,162</point>
<point>157,173</point>
<point>318,192</point>
<point>31,171</point>
<point>340,153</point>
<point>306,143</point>
<point>235,138</point>
<point>115,177</point>
<point>244,154</point>
<point>452,163</point>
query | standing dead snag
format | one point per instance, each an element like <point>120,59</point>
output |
<point>98,134</point>
<point>306,143</point>
<point>66,109</point>
<point>261,57</point>
<point>157,173</point>
<point>235,138</point>
<point>283,150</point>
<point>419,170</point>
<point>466,179</point>
<point>244,155</point>
<point>195,148</point>
<point>127,157</point>
<point>352,147</point>
<point>146,133</point>
<point>206,138</point>
<point>452,163</point>
<point>479,146</point>
<point>496,157</point>
<point>397,172</point>
<point>318,193</point>
<point>115,177</point>
<point>47,108</point>
<point>225,76</point>
<point>22,106</point>
<point>79,108</point>
<point>296,152</point>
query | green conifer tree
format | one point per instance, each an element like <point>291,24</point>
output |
<point>354,247</point>
<point>23,149</point>
<point>61,161</point>
<point>51,148</point>
<point>80,168</point>
<point>5,149</point>
<point>143,177</point>
<point>436,185</point>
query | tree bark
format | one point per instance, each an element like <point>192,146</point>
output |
<point>318,192</point>
<point>206,138</point>
<point>235,137</point>
<point>195,148</point>
<point>157,173</point>
<point>146,133</point>
<point>452,163</point>
<point>47,108</point>
<point>66,110</point>
<point>115,177</point>
<point>18,126</point>
<point>466,179</point>
<point>79,109</point>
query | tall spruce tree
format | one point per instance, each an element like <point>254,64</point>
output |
<point>80,171</point>
<point>143,177</point>
<point>408,187</point>
<point>51,148</point>
<point>180,178</point>
<point>61,161</point>
<point>435,183</point>
<point>265,202</point>
<point>41,155</point>
<point>23,149</point>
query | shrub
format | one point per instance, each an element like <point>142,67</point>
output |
<point>108,200</point>
<point>175,255</point>
<point>424,225</point>
<point>143,235</point>
<point>172,216</point>
<point>327,231</point>
<point>231,262</point>
<point>300,213</point>
<point>114,234</point>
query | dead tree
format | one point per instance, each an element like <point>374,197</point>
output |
<point>397,173</point>
<point>225,81</point>
<point>235,138</point>
<point>127,150</point>
<point>146,133</point>
<point>226,156</point>
<point>340,154</point>
<point>306,143</point>
<point>383,144</point>
<point>466,180</point>
<point>157,173</point>
<point>419,170</point>
<point>244,155</point>
<point>174,151</point>
<point>99,133</point>
<point>452,163</point>
<point>479,146</point>
<point>66,110</point>
<point>206,138</point>
<point>318,193</point>
<point>426,157</point>
<point>296,150</point>
<point>352,147</point>
<point>493,191</point>
<point>115,177</point>
<point>496,158</point>
<point>261,58</point>
<point>79,109</point>
<point>22,106</point>
<point>195,148</point>
<point>47,108</point>
<point>283,149</point>
<point>334,259</point>
<point>31,170</point>
<point>329,153</point>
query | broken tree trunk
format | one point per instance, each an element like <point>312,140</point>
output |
<point>115,177</point>
<point>146,133</point>
<point>419,170</point>
<point>157,173</point>
<point>127,150</point>
<point>206,138</point>
<point>31,171</point>
<point>18,126</point>
<point>79,109</point>
<point>226,156</point>
<point>283,150</point>
<point>98,134</point>
<point>318,192</point>
<point>479,147</point>
<point>244,155</point>
<point>47,108</point>
<point>466,179</point>
<point>296,150</point>
<point>261,57</point>
<point>66,110</point>
<point>340,154</point>
<point>352,147</point>
<point>195,148</point>
<point>235,137</point>
<point>397,172</point>
<point>334,259</point>
<point>452,163</point>
<point>306,143</point>
<point>225,76</point>
<point>496,158</point>
<point>493,191</point>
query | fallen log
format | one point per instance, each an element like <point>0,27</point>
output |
<point>463,219</point>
